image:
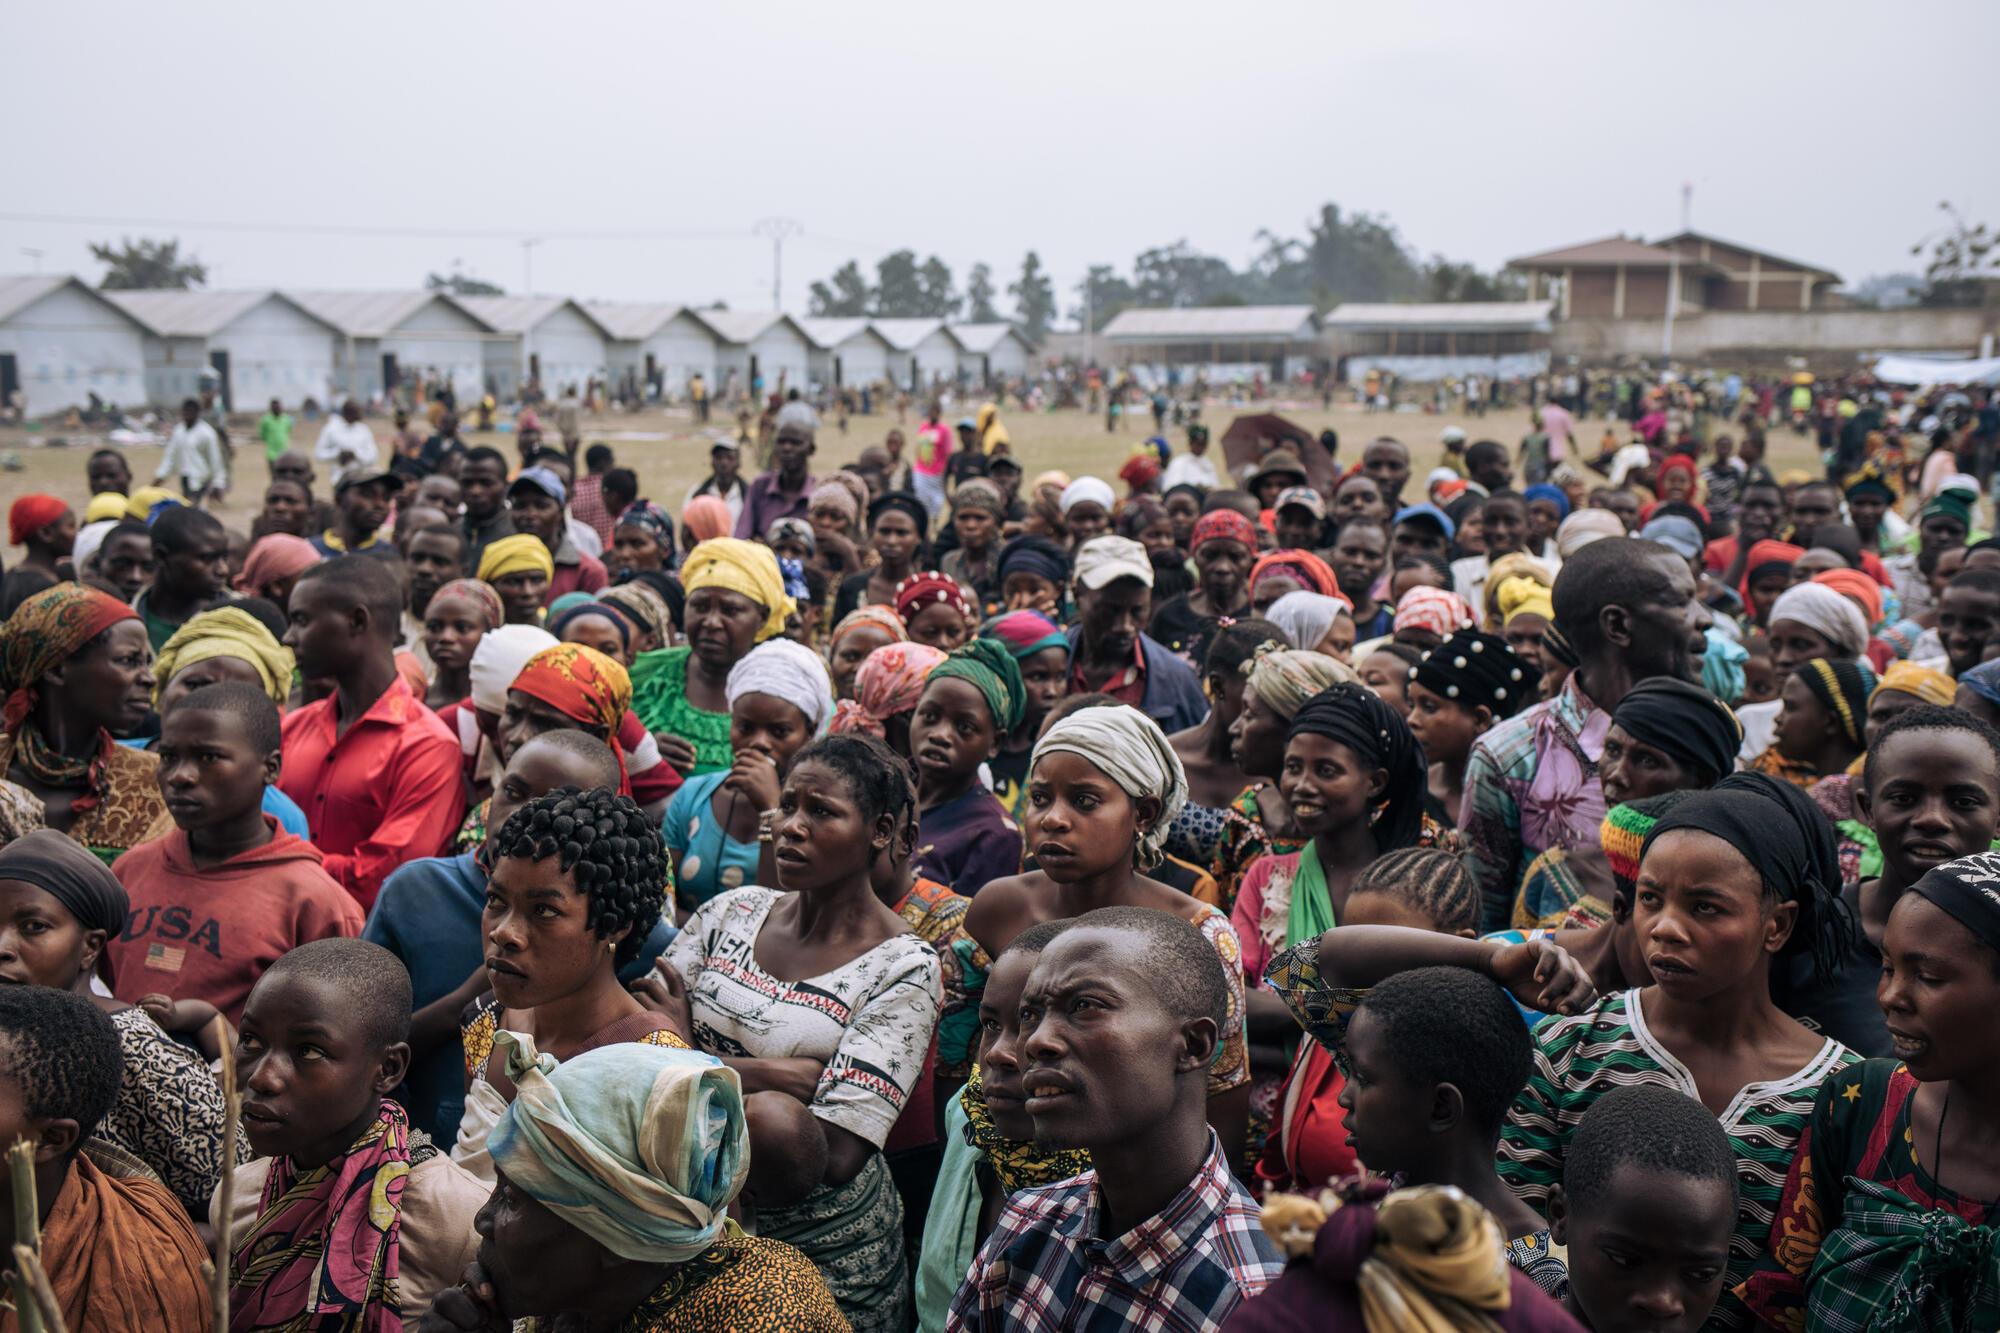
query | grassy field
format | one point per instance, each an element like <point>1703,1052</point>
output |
<point>670,453</point>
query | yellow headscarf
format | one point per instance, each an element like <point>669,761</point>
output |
<point>517,554</point>
<point>1521,595</point>
<point>742,567</point>
<point>226,632</point>
<point>105,505</point>
<point>140,503</point>
<point>987,429</point>
<point>1933,687</point>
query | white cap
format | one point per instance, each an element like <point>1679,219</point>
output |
<point>501,654</point>
<point>1102,559</point>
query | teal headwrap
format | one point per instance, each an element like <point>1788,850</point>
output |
<point>639,1147</point>
<point>991,669</point>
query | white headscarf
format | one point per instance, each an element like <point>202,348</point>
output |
<point>1584,527</point>
<point>498,660</point>
<point>1133,752</point>
<point>785,670</point>
<point>88,538</point>
<point>1087,488</point>
<point>1826,613</point>
<point>1305,617</point>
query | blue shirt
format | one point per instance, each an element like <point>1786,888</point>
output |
<point>706,860</point>
<point>428,915</point>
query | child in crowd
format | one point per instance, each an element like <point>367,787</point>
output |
<point>348,1211</point>
<point>219,900</point>
<point>971,700</point>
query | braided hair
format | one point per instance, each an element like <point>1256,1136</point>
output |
<point>609,846</point>
<point>879,778</point>
<point>1428,879</point>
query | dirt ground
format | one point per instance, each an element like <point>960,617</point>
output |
<point>670,453</point>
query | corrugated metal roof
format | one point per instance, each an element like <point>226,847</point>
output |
<point>1230,321</point>
<point>1461,315</point>
<point>518,314</point>
<point>1611,250</point>
<point>829,333</point>
<point>740,326</point>
<point>21,290</point>
<point>1713,239</point>
<point>375,314</point>
<point>197,314</point>
<point>983,338</point>
<point>905,334</point>
<point>629,321</point>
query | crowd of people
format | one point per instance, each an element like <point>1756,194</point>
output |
<point>1551,892</point>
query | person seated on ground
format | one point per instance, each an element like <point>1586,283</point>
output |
<point>780,699</point>
<point>1456,694</point>
<point>857,635</point>
<point>1733,882</point>
<point>829,1066</point>
<point>120,1253</point>
<point>1103,790</point>
<point>887,686</point>
<point>220,899</point>
<point>989,1138</point>
<point>1929,792</point>
<point>1259,822</point>
<point>971,701</point>
<point>1666,735</point>
<point>935,611</point>
<point>428,915</point>
<point>227,644</point>
<point>1222,547</point>
<point>1121,1020</point>
<point>1206,750</point>
<point>518,567</point>
<point>571,685</point>
<point>190,571</point>
<point>562,915</point>
<point>347,1214</point>
<point>59,906</point>
<point>615,1174</point>
<point>376,772</point>
<point>77,671</point>
<point>1041,651</point>
<point>1109,652</point>
<point>1895,1176</point>
<point>735,600</point>
<point>1306,1149</point>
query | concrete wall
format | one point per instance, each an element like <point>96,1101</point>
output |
<point>864,359</point>
<point>1836,336</point>
<point>276,351</point>
<point>569,349</point>
<point>68,345</point>
<point>437,337</point>
<point>173,371</point>
<point>681,348</point>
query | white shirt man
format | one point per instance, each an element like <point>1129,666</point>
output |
<point>194,459</point>
<point>351,438</point>
<point>1189,469</point>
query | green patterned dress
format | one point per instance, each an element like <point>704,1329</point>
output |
<point>1579,1059</point>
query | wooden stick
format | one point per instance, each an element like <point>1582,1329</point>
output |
<point>27,1234</point>
<point>41,1297</point>
<point>225,1199</point>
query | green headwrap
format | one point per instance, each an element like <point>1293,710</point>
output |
<point>1955,503</point>
<point>991,669</point>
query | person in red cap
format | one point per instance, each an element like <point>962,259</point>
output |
<point>46,526</point>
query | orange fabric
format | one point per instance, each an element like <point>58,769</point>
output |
<point>122,1255</point>
<point>1303,567</point>
<point>1858,588</point>
<point>586,686</point>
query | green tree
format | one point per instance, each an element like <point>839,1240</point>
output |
<point>899,286</point>
<point>1963,260</point>
<point>941,298</point>
<point>144,265</point>
<point>1175,275</point>
<point>979,294</point>
<point>848,294</point>
<point>1101,295</point>
<point>458,284</point>
<point>1034,297</point>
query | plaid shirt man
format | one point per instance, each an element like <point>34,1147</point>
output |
<point>586,505</point>
<point>1184,1269</point>
<point>1531,784</point>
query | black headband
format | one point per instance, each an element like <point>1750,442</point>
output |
<point>1684,720</point>
<point>1354,716</point>
<point>1968,891</point>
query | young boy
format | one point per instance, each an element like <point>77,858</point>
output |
<point>972,700</point>
<point>224,896</point>
<point>114,1248</point>
<point>348,1216</point>
<point>1120,1019</point>
<point>1645,1210</point>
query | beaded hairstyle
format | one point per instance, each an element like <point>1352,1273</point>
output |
<point>609,846</point>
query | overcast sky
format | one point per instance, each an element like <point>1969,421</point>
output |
<point>1087,131</point>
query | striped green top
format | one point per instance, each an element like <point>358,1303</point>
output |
<point>1579,1059</point>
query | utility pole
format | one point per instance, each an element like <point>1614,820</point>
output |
<point>778,229</point>
<point>1089,319</point>
<point>528,244</point>
<point>1674,281</point>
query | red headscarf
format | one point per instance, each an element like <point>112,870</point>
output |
<point>1767,552</point>
<point>277,556</point>
<point>45,631</point>
<point>1306,569</point>
<point>30,514</point>
<point>584,685</point>
<point>705,517</point>
<point>1222,525</point>
<point>1858,588</point>
<point>929,588</point>
<point>1140,471</point>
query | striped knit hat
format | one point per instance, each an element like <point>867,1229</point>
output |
<point>1624,831</point>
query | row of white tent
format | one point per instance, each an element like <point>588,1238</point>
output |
<point>62,341</point>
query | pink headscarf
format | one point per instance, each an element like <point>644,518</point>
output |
<point>1443,613</point>
<point>889,681</point>
<point>278,556</point>
<point>706,517</point>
